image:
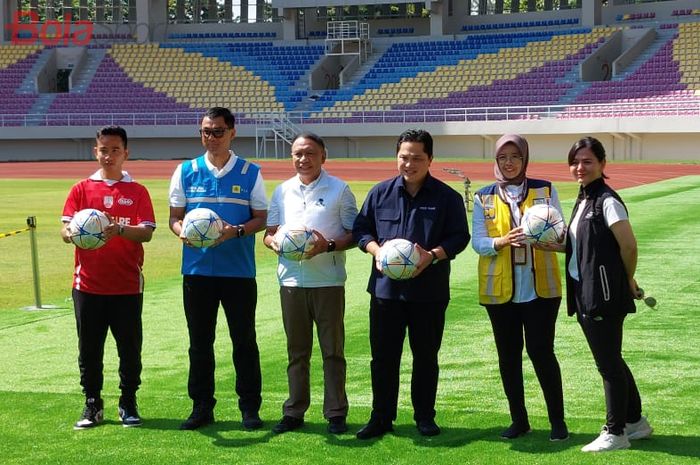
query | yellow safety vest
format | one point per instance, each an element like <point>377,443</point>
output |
<point>496,271</point>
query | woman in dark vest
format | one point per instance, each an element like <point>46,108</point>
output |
<point>601,258</point>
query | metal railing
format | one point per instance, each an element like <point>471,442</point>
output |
<point>275,128</point>
<point>657,108</point>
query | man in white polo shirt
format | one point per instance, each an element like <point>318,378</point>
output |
<point>312,290</point>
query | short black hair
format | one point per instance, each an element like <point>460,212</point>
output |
<point>113,131</point>
<point>225,113</point>
<point>591,143</point>
<point>417,135</point>
<point>313,136</point>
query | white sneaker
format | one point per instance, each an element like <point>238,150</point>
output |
<point>639,430</point>
<point>607,442</point>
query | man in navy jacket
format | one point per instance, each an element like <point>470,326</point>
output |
<point>417,207</point>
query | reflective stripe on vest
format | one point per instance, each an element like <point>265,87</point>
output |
<point>218,200</point>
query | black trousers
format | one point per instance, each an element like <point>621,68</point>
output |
<point>95,315</point>
<point>536,320</point>
<point>238,296</point>
<point>622,400</point>
<point>388,321</point>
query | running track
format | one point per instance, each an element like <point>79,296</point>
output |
<point>621,175</point>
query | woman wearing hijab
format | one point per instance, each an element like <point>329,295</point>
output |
<point>519,284</point>
<point>601,259</point>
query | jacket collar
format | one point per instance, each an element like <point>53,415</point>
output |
<point>586,192</point>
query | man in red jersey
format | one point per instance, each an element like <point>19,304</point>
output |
<point>107,282</point>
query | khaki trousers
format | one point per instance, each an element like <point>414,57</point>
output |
<point>301,308</point>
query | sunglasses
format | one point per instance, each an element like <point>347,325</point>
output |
<point>217,133</point>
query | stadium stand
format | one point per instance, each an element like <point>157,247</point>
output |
<point>685,52</point>
<point>463,73</point>
<point>500,65</point>
<point>281,66</point>
<point>672,74</point>
<point>194,79</point>
<point>222,35</point>
<point>15,64</point>
<point>154,82</point>
<point>480,71</point>
<point>521,24</point>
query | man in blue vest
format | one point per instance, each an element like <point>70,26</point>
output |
<point>223,273</point>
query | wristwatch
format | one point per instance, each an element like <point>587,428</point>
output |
<point>435,257</point>
<point>241,231</point>
<point>331,245</point>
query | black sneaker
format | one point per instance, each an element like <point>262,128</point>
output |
<point>129,414</point>
<point>93,414</point>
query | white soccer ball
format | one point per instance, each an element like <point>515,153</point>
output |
<point>542,224</point>
<point>202,227</point>
<point>87,229</point>
<point>294,241</point>
<point>398,258</point>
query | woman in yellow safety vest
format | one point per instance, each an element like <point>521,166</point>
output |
<point>519,284</point>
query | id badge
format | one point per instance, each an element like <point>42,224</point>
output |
<point>519,255</point>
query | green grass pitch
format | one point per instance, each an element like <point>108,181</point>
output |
<point>40,397</point>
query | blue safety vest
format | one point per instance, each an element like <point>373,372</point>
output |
<point>229,197</point>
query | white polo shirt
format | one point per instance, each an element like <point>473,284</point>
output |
<point>326,205</point>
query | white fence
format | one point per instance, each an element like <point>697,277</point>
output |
<point>646,109</point>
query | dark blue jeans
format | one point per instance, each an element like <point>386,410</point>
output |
<point>238,296</point>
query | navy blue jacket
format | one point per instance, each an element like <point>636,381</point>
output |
<point>434,217</point>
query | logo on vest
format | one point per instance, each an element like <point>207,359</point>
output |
<point>236,189</point>
<point>108,201</point>
<point>125,202</point>
<point>196,189</point>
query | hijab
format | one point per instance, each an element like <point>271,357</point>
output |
<point>522,146</point>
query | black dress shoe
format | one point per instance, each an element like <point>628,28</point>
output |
<point>516,430</point>
<point>374,429</point>
<point>251,420</point>
<point>288,423</point>
<point>337,425</point>
<point>428,427</point>
<point>198,418</point>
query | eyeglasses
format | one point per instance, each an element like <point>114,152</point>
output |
<point>512,159</point>
<point>217,133</point>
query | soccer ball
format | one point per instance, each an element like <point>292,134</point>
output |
<point>398,258</point>
<point>294,241</point>
<point>542,224</point>
<point>202,227</point>
<point>87,228</point>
